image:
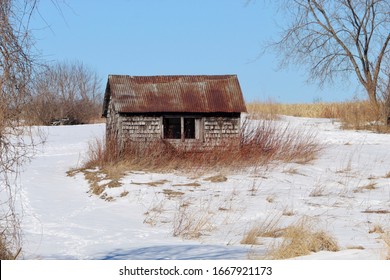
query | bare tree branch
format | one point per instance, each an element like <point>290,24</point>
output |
<point>66,91</point>
<point>16,141</point>
<point>338,39</point>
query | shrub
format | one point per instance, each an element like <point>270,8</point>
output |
<point>260,143</point>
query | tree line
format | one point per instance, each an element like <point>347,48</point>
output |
<point>65,93</point>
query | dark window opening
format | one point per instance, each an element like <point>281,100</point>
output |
<point>172,128</point>
<point>189,128</point>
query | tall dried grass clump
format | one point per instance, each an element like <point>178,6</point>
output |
<point>259,143</point>
<point>302,239</point>
<point>270,140</point>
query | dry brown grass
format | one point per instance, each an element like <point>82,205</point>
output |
<point>194,184</point>
<point>267,228</point>
<point>288,212</point>
<point>216,179</point>
<point>377,211</point>
<point>154,212</point>
<point>376,229</point>
<point>152,184</point>
<point>169,193</point>
<point>318,190</point>
<point>192,223</point>
<point>5,253</point>
<point>253,190</point>
<point>368,187</point>
<point>355,114</point>
<point>302,239</point>
<point>5,249</point>
<point>260,143</point>
<point>386,238</point>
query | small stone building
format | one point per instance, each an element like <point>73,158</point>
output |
<point>183,109</point>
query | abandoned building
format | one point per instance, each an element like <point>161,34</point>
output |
<point>182,109</point>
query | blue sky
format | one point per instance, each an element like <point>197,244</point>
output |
<point>167,37</point>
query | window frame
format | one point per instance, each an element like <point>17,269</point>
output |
<point>197,127</point>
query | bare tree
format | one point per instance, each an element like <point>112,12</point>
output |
<point>16,141</point>
<point>339,39</point>
<point>66,91</point>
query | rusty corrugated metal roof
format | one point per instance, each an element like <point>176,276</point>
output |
<point>180,93</point>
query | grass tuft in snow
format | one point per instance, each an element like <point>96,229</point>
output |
<point>302,239</point>
<point>192,222</point>
<point>267,228</point>
<point>376,229</point>
<point>318,190</point>
<point>386,238</point>
<point>216,179</point>
<point>368,187</point>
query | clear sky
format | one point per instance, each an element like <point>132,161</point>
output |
<point>173,37</point>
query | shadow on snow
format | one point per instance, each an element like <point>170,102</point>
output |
<point>179,252</point>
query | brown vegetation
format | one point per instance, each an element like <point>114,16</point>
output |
<point>268,228</point>
<point>260,143</point>
<point>192,223</point>
<point>65,93</point>
<point>298,239</point>
<point>302,239</point>
<point>355,114</point>
<point>5,253</point>
<point>338,41</point>
<point>386,239</point>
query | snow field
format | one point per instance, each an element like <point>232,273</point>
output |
<point>345,192</point>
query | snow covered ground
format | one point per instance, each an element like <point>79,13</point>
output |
<point>345,192</point>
